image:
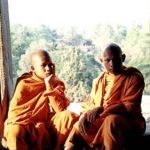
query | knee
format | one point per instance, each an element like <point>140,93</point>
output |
<point>117,123</point>
<point>69,118</point>
<point>15,131</point>
<point>113,120</point>
<point>14,134</point>
<point>70,115</point>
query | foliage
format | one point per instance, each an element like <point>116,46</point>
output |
<point>78,71</point>
<point>76,55</point>
<point>23,37</point>
<point>136,45</point>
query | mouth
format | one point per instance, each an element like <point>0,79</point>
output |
<point>48,74</point>
<point>111,69</point>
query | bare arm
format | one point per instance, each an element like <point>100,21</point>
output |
<point>56,95</point>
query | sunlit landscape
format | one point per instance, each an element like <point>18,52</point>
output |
<point>74,32</point>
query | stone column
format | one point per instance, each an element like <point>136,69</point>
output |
<point>6,77</point>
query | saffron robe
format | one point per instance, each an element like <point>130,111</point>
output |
<point>32,110</point>
<point>120,96</point>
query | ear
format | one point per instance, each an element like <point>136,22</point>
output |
<point>32,68</point>
<point>123,57</point>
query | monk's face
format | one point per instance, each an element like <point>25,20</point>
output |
<point>42,65</point>
<point>112,61</point>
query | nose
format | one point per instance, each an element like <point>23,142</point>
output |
<point>47,68</point>
<point>111,63</point>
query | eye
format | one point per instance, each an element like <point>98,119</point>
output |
<point>106,60</point>
<point>51,65</point>
<point>43,65</point>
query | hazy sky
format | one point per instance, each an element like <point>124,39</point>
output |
<point>83,13</point>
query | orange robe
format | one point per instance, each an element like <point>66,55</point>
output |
<point>32,111</point>
<point>120,96</point>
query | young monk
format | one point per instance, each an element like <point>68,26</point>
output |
<point>37,113</point>
<point>114,107</point>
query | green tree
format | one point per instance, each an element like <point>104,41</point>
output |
<point>75,54</point>
<point>78,71</point>
<point>23,38</point>
<point>137,48</point>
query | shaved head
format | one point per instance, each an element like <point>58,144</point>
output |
<point>112,58</point>
<point>39,53</point>
<point>114,48</point>
<point>42,64</point>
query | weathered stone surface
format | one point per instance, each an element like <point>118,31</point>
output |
<point>6,77</point>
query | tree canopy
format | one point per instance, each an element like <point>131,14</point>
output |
<point>76,53</point>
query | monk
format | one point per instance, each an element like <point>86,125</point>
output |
<point>114,110</point>
<point>37,115</point>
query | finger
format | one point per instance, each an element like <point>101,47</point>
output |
<point>48,79</point>
<point>93,118</point>
<point>83,130</point>
<point>90,118</point>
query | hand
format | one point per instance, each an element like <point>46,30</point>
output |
<point>83,124</point>
<point>93,113</point>
<point>48,81</point>
<point>87,118</point>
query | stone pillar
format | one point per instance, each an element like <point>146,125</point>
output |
<point>6,77</point>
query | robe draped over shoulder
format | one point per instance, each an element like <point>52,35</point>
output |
<point>30,101</point>
<point>126,91</point>
<point>121,96</point>
<point>35,112</point>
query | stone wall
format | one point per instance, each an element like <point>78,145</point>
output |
<point>6,78</point>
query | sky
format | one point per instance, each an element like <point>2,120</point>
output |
<point>81,13</point>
